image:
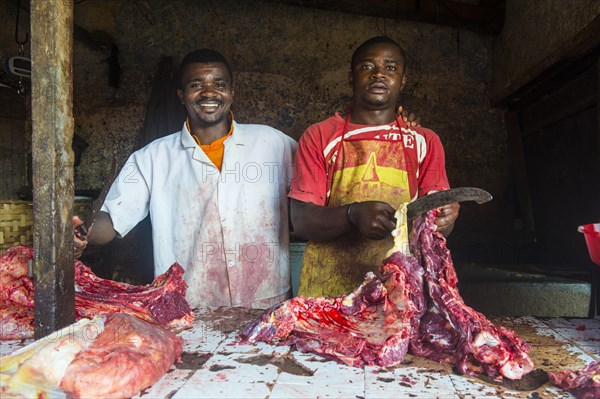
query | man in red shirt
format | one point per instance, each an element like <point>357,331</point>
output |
<point>354,170</point>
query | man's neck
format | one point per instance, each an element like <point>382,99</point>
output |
<point>207,133</point>
<point>372,117</point>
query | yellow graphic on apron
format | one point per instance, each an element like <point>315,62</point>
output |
<point>369,182</point>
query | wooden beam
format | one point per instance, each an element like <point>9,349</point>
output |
<point>456,12</point>
<point>481,18</point>
<point>52,122</point>
<point>562,60</point>
<point>374,8</point>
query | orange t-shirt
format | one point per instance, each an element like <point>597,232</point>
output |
<point>215,150</point>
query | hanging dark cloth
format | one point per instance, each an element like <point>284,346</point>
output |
<point>164,114</point>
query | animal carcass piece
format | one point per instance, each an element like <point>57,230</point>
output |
<point>373,325</point>
<point>583,384</point>
<point>162,302</point>
<point>110,356</point>
<point>414,302</point>
<point>450,331</point>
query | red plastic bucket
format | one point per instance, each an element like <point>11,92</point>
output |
<point>591,232</point>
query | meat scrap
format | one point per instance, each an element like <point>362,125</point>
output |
<point>111,356</point>
<point>414,303</point>
<point>161,302</point>
<point>583,383</point>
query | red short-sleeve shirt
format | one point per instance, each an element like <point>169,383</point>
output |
<point>315,162</point>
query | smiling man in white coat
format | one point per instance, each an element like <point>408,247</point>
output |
<point>216,195</point>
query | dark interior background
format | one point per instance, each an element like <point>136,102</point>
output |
<point>510,86</point>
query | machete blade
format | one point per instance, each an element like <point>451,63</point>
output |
<point>97,204</point>
<point>441,198</point>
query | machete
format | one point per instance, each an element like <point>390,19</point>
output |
<point>97,204</point>
<point>441,198</point>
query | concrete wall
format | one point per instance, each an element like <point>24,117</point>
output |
<point>538,34</point>
<point>290,66</point>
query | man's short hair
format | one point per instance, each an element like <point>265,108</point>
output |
<point>376,40</point>
<point>203,56</point>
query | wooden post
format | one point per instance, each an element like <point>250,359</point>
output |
<point>52,122</point>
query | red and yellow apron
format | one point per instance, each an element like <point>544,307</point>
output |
<point>366,170</point>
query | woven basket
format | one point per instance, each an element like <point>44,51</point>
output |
<point>16,221</point>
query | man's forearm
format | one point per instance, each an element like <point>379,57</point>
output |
<point>319,223</point>
<point>102,230</point>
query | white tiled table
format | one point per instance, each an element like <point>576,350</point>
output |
<point>235,371</point>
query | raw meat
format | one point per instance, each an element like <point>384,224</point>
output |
<point>452,332</point>
<point>16,294</point>
<point>415,301</point>
<point>16,321</point>
<point>162,302</point>
<point>111,356</point>
<point>372,325</point>
<point>583,384</point>
<point>15,285</point>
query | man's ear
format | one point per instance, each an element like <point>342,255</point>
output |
<point>350,80</point>
<point>180,95</point>
<point>403,82</point>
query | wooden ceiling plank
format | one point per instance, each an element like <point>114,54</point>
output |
<point>486,18</point>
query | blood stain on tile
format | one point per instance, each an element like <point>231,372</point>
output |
<point>192,360</point>
<point>219,367</point>
<point>285,363</point>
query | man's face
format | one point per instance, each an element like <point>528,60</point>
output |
<point>377,77</point>
<point>207,92</point>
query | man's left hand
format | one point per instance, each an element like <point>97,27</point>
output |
<point>409,118</point>
<point>446,217</point>
<point>80,238</point>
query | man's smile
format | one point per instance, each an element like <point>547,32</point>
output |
<point>209,105</point>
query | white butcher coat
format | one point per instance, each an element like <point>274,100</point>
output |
<point>229,230</point>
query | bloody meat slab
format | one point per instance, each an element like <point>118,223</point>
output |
<point>162,302</point>
<point>414,303</point>
<point>113,355</point>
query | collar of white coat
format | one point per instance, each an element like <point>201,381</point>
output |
<point>237,136</point>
